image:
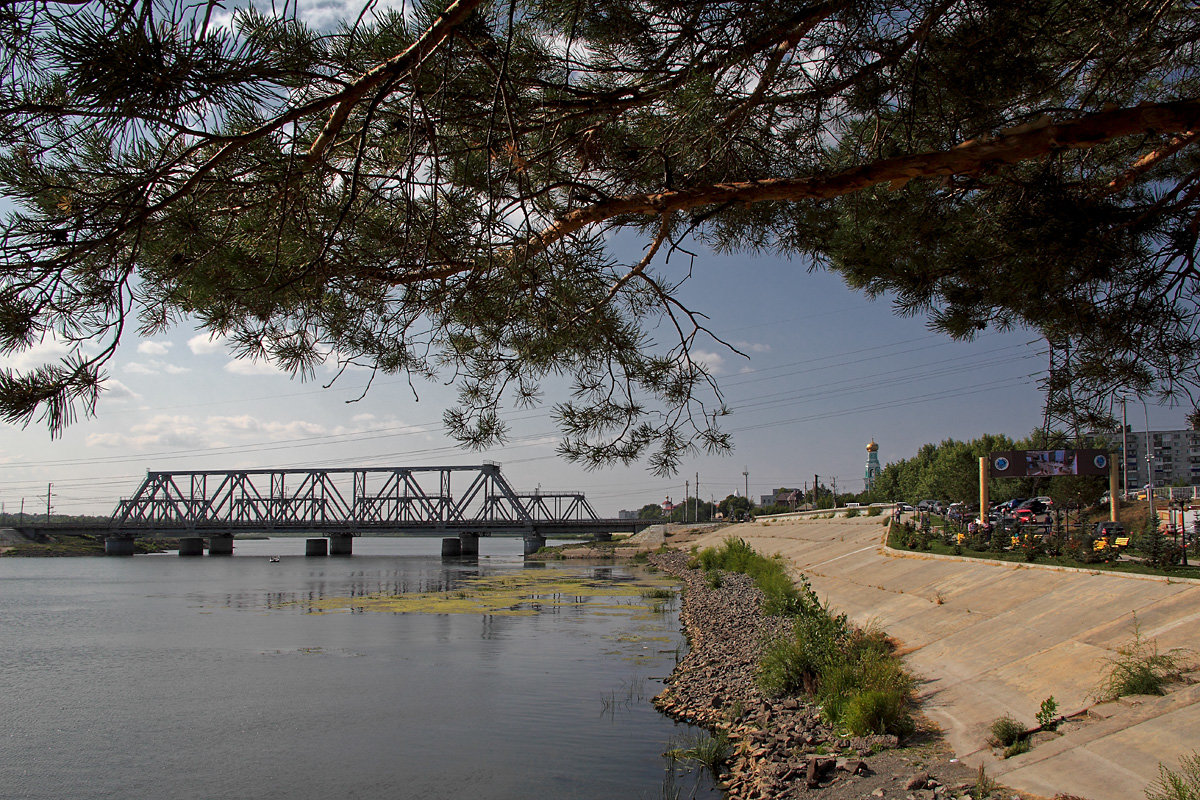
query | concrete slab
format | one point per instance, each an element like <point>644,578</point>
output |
<point>990,638</point>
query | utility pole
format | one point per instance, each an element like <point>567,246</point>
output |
<point>697,517</point>
<point>746,475</point>
<point>48,487</point>
<point>687,487</point>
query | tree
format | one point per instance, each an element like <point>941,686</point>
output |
<point>433,192</point>
<point>733,505</point>
<point>650,511</point>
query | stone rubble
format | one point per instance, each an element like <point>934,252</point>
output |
<point>780,747</point>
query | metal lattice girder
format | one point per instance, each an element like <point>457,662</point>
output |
<point>380,498</point>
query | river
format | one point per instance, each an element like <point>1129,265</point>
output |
<point>238,677</point>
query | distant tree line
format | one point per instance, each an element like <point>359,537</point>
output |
<point>950,472</point>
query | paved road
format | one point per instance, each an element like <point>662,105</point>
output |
<point>990,638</point>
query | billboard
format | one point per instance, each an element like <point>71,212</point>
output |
<point>1047,463</point>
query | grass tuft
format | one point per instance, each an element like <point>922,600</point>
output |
<point>1182,785</point>
<point>1006,731</point>
<point>1139,668</point>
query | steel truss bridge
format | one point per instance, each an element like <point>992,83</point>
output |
<point>419,501</point>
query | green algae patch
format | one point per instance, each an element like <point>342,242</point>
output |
<point>522,594</point>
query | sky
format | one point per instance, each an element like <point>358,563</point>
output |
<point>826,372</point>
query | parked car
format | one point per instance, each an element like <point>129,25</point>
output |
<point>904,507</point>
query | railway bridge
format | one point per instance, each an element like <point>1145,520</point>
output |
<point>458,503</point>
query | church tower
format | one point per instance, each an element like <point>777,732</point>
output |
<point>873,468</point>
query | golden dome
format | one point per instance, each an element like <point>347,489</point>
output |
<point>872,447</point>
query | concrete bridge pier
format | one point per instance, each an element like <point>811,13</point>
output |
<point>451,547</point>
<point>533,543</point>
<point>118,546</point>
<point>341,545</point>
<point>220,545</point>
<point>316,547</point>
<point>191,546</point>
<point>470,543</point>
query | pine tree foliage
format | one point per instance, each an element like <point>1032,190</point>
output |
<point>433,189</point>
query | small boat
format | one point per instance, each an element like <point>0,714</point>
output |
<point>274,559</point>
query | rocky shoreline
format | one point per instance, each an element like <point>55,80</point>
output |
<point>780,748</point>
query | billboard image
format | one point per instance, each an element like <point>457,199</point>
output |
<point>1047,463</point>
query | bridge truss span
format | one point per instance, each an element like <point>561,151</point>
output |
<point>418,500</point>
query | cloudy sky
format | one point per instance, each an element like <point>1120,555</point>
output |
<point>827,371</point>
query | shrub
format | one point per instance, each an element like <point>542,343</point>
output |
<point>1016,748</point>
<point>1047,715</point>
<point>851,512</point>
<point>876,712</point>
<point>1182,785</point>
<point>874,511</point>
<point>713,578</point>
<point>787,667</point>
<point>1005,731</point>
<point>1138,668</point>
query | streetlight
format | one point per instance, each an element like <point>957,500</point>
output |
<point>1149,466</point>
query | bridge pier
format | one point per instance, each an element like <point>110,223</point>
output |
<point>316,547</point>
<point>603,537</point>
<point>341,545</point>
<point>451,547</point>
<point>470,544</point>
<point>533,543</point>
<point>191,546</point>
<point>118,546</point>
<point>220,545</point>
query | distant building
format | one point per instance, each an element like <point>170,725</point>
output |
<point>623,514</point>
<point>1176,457</point>
<point>873,469</point>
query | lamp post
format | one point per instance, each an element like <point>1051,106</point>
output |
<point>1149,466</point>
<point>1124,451</point>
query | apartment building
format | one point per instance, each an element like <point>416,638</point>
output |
<point>1176,457</point>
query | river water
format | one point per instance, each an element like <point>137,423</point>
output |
<point>165,677</point>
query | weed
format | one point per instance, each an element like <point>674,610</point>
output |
<point>1182,785</point>
<point>713,578</point>
<point>1016,748</point>
<point>852,512</point>
<point>1005,731</point>
<point>984,786</point>
<point>657,594</point>
<point>1047,716</point>
<point>711,752</point>
<point>874,511</point>
<point>939,598</point>
<point>1138,668</point>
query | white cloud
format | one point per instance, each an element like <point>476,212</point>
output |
<point>115,390</point>
<point>48,351</point>
<point>154,367</point>
<point>203,344</point>
<point>244,366</point>
<point>713,362</point>
<point>153,348</point>
<point>752,347</point>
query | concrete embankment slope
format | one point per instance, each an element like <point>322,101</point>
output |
<point>989,638</point>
